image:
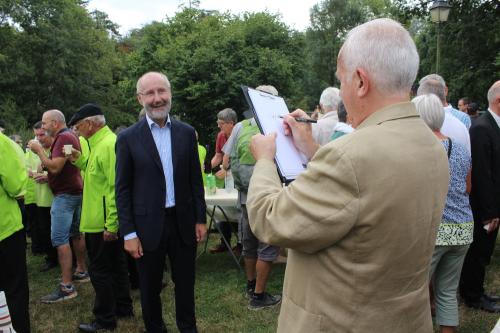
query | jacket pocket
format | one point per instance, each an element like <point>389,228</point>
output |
<point>294,318</point>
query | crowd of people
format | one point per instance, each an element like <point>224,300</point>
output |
<point>396,212</point>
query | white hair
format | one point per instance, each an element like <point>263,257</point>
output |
<point>330,98</point>
<point>431,110</point>
<point>433,76</point>
<point>386,51</point>
<point>98,120</point>
<point>493,92</point>
<point>432,86</point>
<point>163,76</point>
<point>268,89</point>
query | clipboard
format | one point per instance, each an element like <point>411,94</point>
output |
<point>267,110</point>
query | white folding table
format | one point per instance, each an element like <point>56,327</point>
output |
<point>219,200</point>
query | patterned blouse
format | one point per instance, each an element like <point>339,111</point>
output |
<point>457,224</point>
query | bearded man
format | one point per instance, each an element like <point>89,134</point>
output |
<point>160,202</point>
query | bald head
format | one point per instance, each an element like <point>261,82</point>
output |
<point>53,121</point>
<point>163,77</point>
<point>55,115</point>
<point>494,97</point>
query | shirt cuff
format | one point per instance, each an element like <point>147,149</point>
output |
<point>130,236</point>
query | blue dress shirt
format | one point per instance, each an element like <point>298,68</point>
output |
<point>163,141</point>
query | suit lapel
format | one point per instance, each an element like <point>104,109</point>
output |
<point>149,143</point>
<point>493,124</point>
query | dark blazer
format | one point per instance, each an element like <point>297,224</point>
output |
<point>485,146</point>
<point>140,183</point>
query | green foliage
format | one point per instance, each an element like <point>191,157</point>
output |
<point>331,20</point>
<point>470,45</point>
<point>208,57</point>
<point>56,56</point>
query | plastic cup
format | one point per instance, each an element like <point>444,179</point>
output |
<point>67,149</point>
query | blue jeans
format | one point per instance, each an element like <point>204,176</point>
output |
<point>65,218</point>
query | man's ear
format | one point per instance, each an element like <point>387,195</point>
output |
<point>139,98</point>
<point>363,82</point>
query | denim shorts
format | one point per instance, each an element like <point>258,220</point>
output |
<point>65,218</point>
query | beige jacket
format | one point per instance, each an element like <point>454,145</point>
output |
<point>361,223</point>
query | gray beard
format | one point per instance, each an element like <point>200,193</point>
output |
<point>157,115</point>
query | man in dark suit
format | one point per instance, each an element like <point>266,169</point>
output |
<point>485,203</point>
<point>160,202</point>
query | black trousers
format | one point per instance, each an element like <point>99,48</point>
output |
<point>14,279</point>
<point>20,203</point>
<point>151,266</point>
<point>43,234</point>
<point>477,258</point>
<point>30,222</point>
<point>108,274</point>
<point>133,275</point>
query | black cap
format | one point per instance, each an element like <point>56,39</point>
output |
<point>88,110</point>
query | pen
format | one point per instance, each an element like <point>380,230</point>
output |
<point>304,120</point>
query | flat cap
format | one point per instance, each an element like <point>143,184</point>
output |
<point>88,110</point>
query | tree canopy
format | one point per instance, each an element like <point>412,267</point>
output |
<point>58,54</point>
<point>208,57</point>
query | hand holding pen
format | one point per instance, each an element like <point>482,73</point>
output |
<point>300,131</point>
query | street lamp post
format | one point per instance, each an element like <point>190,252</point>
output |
<point>439,13</point>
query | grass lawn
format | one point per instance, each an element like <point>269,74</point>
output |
<point>220,302</point>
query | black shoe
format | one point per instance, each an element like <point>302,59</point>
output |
<point>48,266</point>
<point>95,327</point>
<point>265,301</point>
<point>483,304</point>
<point>492,298</point>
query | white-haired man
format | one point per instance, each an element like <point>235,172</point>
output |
<point>99,221</point>
<point>361,221</point>
<point>485,203</point>
<point>328,102</point>
<point>463,117</point>
<point>452,127</point>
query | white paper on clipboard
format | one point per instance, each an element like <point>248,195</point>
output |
<point>268,109</point>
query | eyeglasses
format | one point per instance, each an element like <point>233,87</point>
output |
<point>152,93</point>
